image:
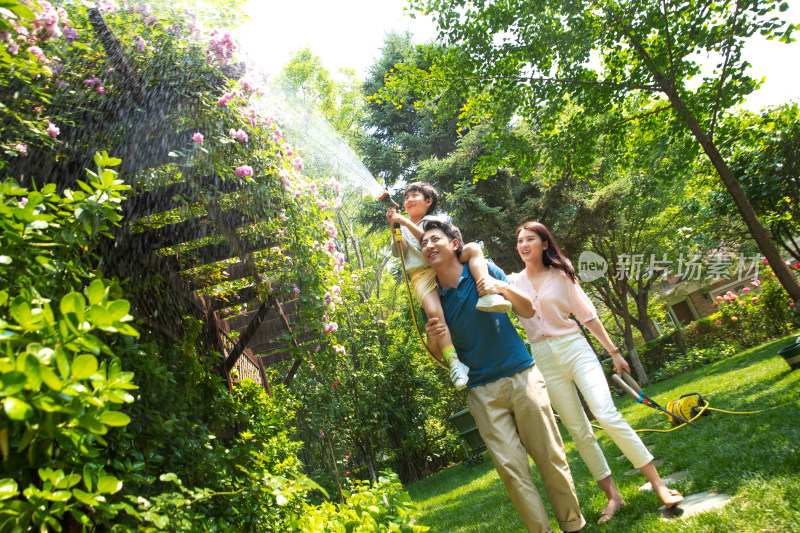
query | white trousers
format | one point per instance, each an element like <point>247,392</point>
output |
<point>568,362</point>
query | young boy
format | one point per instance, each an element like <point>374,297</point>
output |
<point>420,200</point>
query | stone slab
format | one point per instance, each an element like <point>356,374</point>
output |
<point>669,480</point>
<point>695,504</point>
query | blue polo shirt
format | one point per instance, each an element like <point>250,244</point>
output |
<point>486,342</point>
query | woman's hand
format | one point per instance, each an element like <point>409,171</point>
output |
<point>620,364</point>
<point>490,285</point>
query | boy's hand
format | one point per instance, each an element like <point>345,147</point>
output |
<point>489,285</point>
<point>394,216</point>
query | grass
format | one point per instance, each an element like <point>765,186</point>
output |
<point>754,458</point>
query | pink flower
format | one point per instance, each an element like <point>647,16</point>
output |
<point>224,99</point>
<point>733,318</point>
<point>298,165</point>
<point>335,289</point>
<point>317,348</point>
<point>331,327</point>
<point>198,138</point>
<point>23,202</point>
<point>101,90</point>
<point>719,298</point>
<point>755,282</point>
<point>754,300</point>
<point>36,51</point>
<point>746,289</point>
<point>92,82</point>
<point>243,171</point>
<point>347,457</point>
<point>239,135</point>
<point>297,292</point>
<point>340,350</point>
<point>718,322</point>
<point>347,473</point>
<point>336,186</point>
<point>277,135</point>
<point>337,206</point>
<point>52,130</point>
<point>791,304</point>
<point>23,149</point>
<point>139,43</point>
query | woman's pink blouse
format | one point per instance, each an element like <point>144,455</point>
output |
<point>556,299</point>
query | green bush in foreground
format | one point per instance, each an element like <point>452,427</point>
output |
<point>382,506</point>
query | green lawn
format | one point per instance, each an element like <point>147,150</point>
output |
<point>753,458</point>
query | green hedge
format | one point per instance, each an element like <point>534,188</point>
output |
<point>759,313</point>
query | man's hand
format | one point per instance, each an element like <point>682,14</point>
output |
<point>490,285</point>
<point>434,329</point>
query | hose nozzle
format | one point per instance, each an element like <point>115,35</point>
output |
<point>385,198</point>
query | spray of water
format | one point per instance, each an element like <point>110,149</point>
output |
<point>313,134</point>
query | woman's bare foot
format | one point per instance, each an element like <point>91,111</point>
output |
<point>610,510</point>
<point>669,497</point>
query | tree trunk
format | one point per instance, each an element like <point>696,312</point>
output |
<point>754,225</point>
<point>638,369</point>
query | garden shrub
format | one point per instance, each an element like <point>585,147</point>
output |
<point>757,314</point>
<point>382,506</point>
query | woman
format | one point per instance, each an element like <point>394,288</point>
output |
<point>566,360</point>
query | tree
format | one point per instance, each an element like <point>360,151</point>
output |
<point>521,59</point>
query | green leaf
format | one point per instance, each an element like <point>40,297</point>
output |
<point>118,309</point>
<point>92,424</point>
<point>12,383</point>
<point>23,12</point>
<point>87,477</point>
<point>95,292</point>
<point>114,419</point>
<point>74,302</point>
<point>108,485</point>
<point>50,378</point>
<point>84,366</point>
<point>8,488</point>
<point>62,361</point>
<point>99,316</point>
<point>33,372</point>
<point>17,409</point>
<point>21,312</point>
<point>86,498</point>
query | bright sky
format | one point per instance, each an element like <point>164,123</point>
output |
<point>350,33</point>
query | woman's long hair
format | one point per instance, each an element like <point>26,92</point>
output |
<point>552,256</point>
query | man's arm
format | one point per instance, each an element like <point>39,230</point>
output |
<point>434,330</point>
<point>521,303</point>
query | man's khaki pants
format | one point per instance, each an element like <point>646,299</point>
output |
<point>514,418</point>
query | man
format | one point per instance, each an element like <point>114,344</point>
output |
<point>506,392</point>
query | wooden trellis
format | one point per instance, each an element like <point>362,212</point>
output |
<point>167,293</point>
